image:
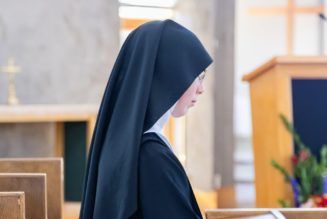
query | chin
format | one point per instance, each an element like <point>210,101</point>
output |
<point>177,116</point>
<point>180,114</point>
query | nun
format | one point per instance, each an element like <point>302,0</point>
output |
<point>132,171</point>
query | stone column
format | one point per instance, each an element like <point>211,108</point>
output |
<point>224,31</point>
<point>209,125</point>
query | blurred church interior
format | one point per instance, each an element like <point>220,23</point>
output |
<point>56,57</point>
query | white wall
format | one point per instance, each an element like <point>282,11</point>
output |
<point>259,38</point>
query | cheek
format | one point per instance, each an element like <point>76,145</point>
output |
<point>187,98</point>
<point>185,101</point>
<point>191,93</point>
<point>182,103</point>
<point>181,107</point>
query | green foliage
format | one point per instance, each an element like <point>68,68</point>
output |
<point>287,177</point>
<point>306,168</point>
<point>289,127</point>
<point>283,203</point>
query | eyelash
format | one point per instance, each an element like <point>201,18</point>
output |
<point>201,77</point>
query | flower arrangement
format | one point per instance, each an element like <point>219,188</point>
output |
<point>309,175</point>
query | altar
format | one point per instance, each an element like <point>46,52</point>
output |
<point>74,126</point>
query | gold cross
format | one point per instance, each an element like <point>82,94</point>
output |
<point>289,11</point>
<point>11,69</point>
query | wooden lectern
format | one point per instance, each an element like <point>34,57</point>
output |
<point>296,87</point>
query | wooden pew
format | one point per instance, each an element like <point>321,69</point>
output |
<point>53,167</point>
<point>12,205</point>
<point>34,187</point>
<point>288,213</point>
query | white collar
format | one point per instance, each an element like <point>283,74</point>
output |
<point>158,126</point>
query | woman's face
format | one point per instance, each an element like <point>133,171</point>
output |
<point>189,97</point>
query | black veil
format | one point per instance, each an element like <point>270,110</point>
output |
<point>157,63</point>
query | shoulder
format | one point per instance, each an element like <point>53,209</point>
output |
<point>158,165</point>
<point>155,154</point>
<point>152,148</point>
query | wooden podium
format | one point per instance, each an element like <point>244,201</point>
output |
<point>296,87</point>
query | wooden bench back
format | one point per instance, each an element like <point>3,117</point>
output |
<point>34,187</point>
<point>53,167</point>
<point>12,205</point>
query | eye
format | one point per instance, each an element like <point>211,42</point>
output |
<point>202,76</point>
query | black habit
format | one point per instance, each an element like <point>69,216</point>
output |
<point>130,174</point>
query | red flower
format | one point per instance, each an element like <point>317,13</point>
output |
<point>304,155</point>
<point>295,159</point>
<point>321,201</point>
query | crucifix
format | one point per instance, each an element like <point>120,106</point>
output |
<point>289,11</point>
<point>11,69</point>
